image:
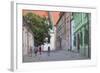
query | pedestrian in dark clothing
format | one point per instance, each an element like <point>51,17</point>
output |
<point>35,51</point>
<point>40,50</point>
<point>48,50</point>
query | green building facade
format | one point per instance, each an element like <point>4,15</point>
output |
<point>82,33</point>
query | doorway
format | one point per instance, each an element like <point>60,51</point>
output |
<point>60,43</point>
<point>78,42</point>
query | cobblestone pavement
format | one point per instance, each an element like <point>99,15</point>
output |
<point>59,55</point>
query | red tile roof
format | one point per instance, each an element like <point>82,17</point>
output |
<point>55,15</point>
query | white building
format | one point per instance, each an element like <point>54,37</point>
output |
<point>27,39</point>
<point>72,33</point>
<point>51,44</point>
<point>52,34</point>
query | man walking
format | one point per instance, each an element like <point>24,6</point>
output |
<point>40,50</point>
<point>48,50</point>
<point>35,51</point>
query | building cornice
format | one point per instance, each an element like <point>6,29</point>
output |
<point>60,18</point>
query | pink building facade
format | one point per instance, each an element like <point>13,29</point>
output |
<point>63,31</point>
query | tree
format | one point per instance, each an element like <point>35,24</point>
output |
<point>39,25</point>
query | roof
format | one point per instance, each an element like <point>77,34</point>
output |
<point>54,14</point>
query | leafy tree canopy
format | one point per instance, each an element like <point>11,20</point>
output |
<point>40,27</point>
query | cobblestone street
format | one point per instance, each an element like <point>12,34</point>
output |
<point>59,55</point>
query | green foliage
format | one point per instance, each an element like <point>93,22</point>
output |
<point>39,26</point>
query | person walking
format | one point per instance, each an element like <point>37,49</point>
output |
<point>35,51</point>
<point>40,50</point>
<point>48,50</point>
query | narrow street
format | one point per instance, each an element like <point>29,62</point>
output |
<point>59,55</point>
<point>51,30</point>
